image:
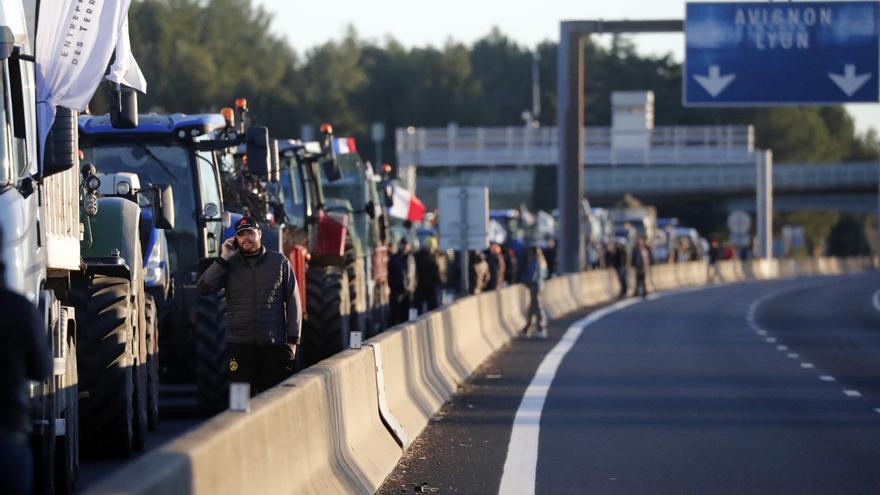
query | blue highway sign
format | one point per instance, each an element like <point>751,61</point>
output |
<point>781,53</point>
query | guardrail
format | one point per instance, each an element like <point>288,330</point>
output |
<point>488,146</point>
<point>342,425</point>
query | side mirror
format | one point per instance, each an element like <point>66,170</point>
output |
<point>257,149</point>
<point>274,162</point>
<point>331,169</point>
<point>7,42</point>
<point>124,109</point>
<point>163,207</point>
<point>62,144</point>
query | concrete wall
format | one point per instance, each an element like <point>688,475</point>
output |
<point>342,425</point>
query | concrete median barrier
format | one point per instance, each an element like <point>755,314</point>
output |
<point>318,432</point>
<point>341,426</point>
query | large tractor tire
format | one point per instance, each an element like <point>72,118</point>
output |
<point>152,361</point>
<point>140,425</point>
<point>325,332</point>
<point>212,377</point>
<point>355,269</point>
<point>105,333</point>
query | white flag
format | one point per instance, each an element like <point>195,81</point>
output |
<point>125,69</point>
<point>74,43</point>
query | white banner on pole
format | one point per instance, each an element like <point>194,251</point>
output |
<point>75,40</point>
<point>125,69</point>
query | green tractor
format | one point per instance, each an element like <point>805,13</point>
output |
<point>335,220</point>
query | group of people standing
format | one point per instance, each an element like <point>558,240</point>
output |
<point>617,259</point>
<point>418,279</point>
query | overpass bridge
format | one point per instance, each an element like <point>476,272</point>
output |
<point>675,163</point>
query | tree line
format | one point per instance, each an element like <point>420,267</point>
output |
<point>199,55</point>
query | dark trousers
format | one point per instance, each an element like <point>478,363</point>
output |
<point>621,276</point>
<point>16,465</point>
<point>263,366</point>
<point>641,288</point>
<point>428,298</point>
<point>400,304</point>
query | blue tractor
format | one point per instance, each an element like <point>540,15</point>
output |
<point>187,153</point>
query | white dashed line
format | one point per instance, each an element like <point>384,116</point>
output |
<point>852,393</point>
<point>793,355</point>
<point>782,348</point>
<point>771,340</point>
<point>876,300</point>
<point>761,332</point>
<point>826,378</point>
<point>807,365</point>
<point>878,410</point>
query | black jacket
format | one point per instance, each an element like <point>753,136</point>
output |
<point>262,298</point>
<point>25,354</point>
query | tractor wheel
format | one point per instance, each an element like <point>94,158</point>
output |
<point>327,327</point>
<point>357,291</point>
<point>212,377</point>
<point>152,361</point>
<point>105,332</point>
<point>140,426</point>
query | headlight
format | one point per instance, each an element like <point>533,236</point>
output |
<point>123,188</point>
<point>90,204</point>
<point>93,183</point>
<point>154,266</point>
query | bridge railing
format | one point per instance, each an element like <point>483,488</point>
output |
<point>482,146</point>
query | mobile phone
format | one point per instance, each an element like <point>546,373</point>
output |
<point>235,244</point>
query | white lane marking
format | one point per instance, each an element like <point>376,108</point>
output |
<point>782,348</point>
<point>852,393</point>
<point>761,332</point>
<point>807,365</point>
<point>876,300</point>
<point>793,355</point>
<point>522,451</point>
<point>826,378</point>
<point>878,410</point>
<point>771,340</point>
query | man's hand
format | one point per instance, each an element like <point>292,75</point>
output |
<point>228,249</point>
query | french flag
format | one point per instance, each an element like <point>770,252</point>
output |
<point>406,205</point>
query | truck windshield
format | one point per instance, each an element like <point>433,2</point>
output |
<point>155,162</point>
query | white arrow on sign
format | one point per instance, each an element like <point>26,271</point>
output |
<point>849,82</point>
<point>714,83</point>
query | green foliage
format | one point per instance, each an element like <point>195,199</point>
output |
<point>199,55</point>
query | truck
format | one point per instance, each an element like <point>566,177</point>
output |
<point>77,257</point>
<point>187,153</point>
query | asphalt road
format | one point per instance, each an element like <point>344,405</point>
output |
<point>768,387</point>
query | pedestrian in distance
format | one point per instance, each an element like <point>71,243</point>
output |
<point>615,259</point>
<point>535,273</point>
<point>428,281</point>
<point>641,262</point>
<point>497,266</point>
<point>478,273</point>
<point>25,354</point>
<point>713,271</point>
<point>263,309</point>
<point>402,281</point>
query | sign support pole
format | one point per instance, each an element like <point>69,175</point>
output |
<point>764,198</point>
<point>465,261</point>
<point>570,120</point>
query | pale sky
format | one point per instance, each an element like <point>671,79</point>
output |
<point>418,23</point>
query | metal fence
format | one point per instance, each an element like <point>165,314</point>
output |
<point>495,146</point>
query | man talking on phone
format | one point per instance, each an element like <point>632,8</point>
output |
<point>263,309</point>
